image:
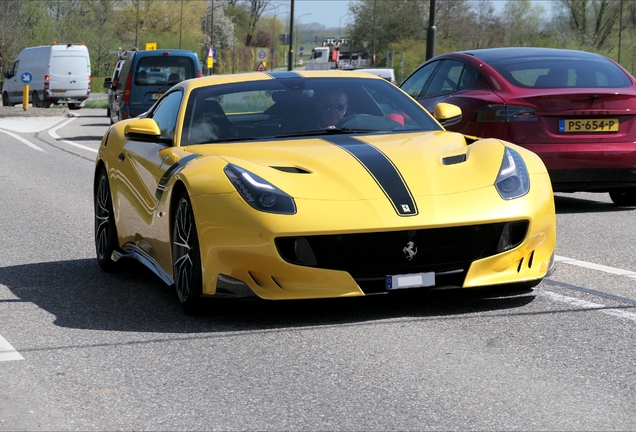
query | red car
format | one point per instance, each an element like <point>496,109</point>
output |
<point>575,109</point>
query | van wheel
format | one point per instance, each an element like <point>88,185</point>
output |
<point>35,99</point>
<point>74,106</point>
<point>5,99</point>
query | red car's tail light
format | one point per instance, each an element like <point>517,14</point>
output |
<point>505,113</point>
<point>127,89</point>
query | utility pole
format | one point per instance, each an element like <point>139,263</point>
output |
<point>290,59</point>
<point>137,31</point>
<point>374,11</point>
<point>432,32</point>
<point>211,70</point>
<point>181,25</point>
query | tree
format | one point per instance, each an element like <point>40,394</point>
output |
<point>591,21</point>
<point>378,23</point>
<point>521,21</point>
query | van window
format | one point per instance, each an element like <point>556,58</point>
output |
<point>69,65</point>
<point>15,69</point>
<point>154,71</point>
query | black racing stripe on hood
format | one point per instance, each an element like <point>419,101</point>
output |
<point>282,74</point>
<point>383,171</point>
<point>163,181</point>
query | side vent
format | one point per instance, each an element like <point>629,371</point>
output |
<point>452,160</point>
<point>294,170</point>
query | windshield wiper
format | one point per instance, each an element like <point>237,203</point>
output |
<point>333,131</point>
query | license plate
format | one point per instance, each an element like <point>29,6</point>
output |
<point>59,93</point>
<point>584,126</point>
<point>413,280</point>
<point>156,96</point>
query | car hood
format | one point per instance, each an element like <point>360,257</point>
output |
<point>344,167</point>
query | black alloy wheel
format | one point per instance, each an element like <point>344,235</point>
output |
<point>186,256</point>
<point>624,197</point>
<point>106,241</point>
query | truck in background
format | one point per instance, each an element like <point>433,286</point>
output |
<point>61,73</point>
<point>336,53</point>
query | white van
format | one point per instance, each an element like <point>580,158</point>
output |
<point>60,74</point>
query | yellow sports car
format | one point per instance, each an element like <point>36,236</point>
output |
<point>314,184</point>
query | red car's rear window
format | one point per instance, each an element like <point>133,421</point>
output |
<point>562,73</point>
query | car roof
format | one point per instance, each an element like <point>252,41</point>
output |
<point>490,55</point>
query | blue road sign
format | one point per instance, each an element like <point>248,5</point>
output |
<point>27,77</point>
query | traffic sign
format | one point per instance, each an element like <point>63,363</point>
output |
<point>27,77</point>
<point>261,54</point>
<point>261,67</point>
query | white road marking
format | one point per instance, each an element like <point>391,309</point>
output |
<point>7,352</point>
<point>584,304</point>
<point>71,143</point>
<point>30,124</point>
<point>598,267</point>
<point>22,140</point>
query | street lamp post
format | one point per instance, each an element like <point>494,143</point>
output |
<point>298,31</point>
<point>340,26</point>
<point>273,45</point>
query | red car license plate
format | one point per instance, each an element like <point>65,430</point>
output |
<point>589,125</point>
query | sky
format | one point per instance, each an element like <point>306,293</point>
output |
<point>334,13</point>
<point>326,12</point>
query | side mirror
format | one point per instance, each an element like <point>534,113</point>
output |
<point>447,114</point>
<point>146,130</point>
<point>107,83</point>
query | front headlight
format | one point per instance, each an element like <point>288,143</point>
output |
<point>513,180</point>
<point>258,192</point>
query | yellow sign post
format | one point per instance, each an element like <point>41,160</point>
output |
<point>25,97</point>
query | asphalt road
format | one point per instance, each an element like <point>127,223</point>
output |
<point>85,350</point>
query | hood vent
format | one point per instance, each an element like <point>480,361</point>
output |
<point>452,160</point>
<point>294,170</point>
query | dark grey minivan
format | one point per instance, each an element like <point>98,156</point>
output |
<point>146,75</point>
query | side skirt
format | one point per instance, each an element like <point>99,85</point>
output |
<point>131,250</point>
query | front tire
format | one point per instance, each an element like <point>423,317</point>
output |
<point>624,197</point>
<point>186,256</point>
<point>5,99</point>
<point>106,241</point>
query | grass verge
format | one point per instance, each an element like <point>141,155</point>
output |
<point>96,103</point>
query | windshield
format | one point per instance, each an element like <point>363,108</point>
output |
<point>289,107</point>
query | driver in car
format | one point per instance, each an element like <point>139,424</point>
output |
<point>332,107</point>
